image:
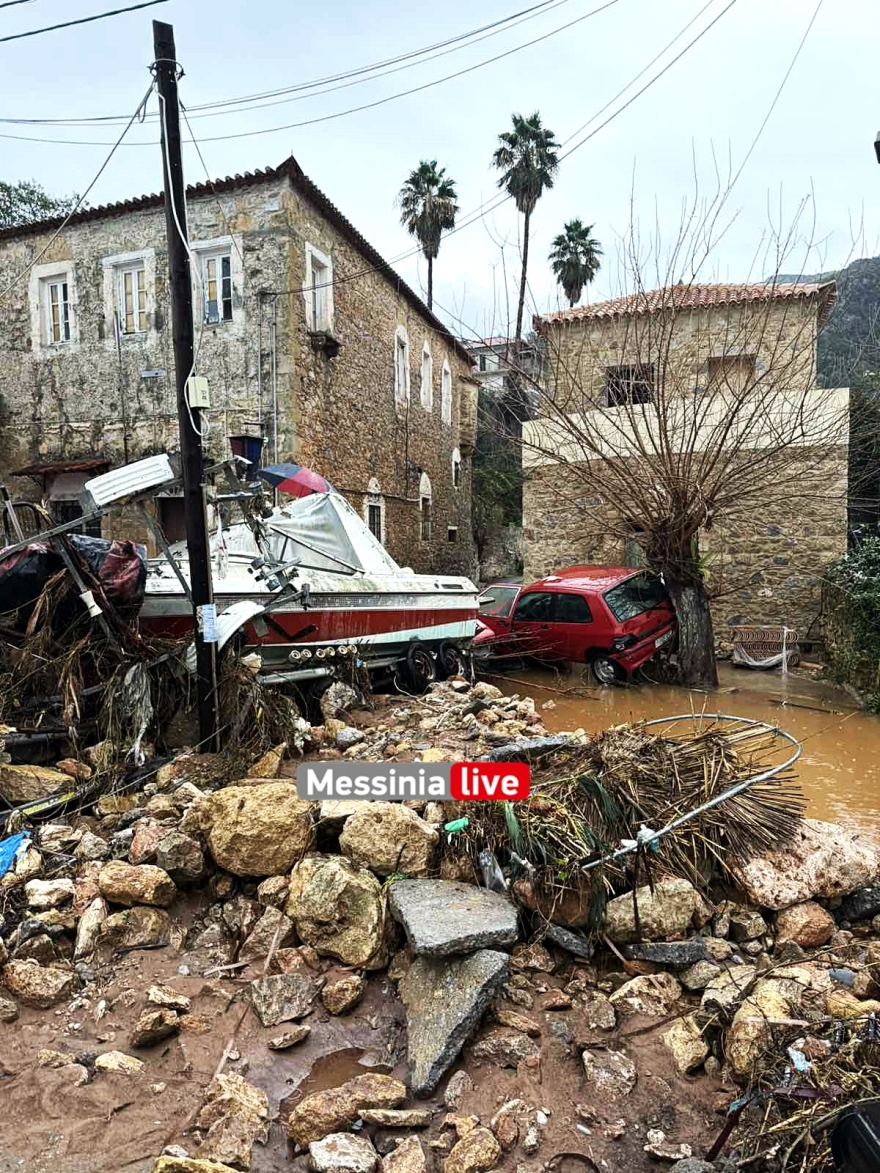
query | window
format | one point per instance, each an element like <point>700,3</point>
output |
<point>374,510</point>
<point>57,310</point>
<point>633,384</point>
<point>572,609</point>
<point>534,607</point>
<point>446,394</point>
<point>734,372</point>
<point>318,291</point>
<point>64,511</point>
<point>172,518</point>
<point>452,533</point>
<point>634,596</point>
<point>217,280</point>
<point>425,501</point>
<point>456,469</point>
<point>489,362</point>
<point>498,600</point>
<point>427,378</point>
<point>401,365</point>
<point>132,300</point>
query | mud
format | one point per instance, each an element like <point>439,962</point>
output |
<point>840,765</point>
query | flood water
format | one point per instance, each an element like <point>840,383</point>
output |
<point>839,768</point>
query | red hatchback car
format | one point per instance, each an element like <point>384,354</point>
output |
<point>613,618</point>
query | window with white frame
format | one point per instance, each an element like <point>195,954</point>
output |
<point>56,306</point>
<point>446,394</point>
<point>217,287</point>
<point>132,294</point>
<point>426,499</point>
<point>401,365</point>
<point>456,468</point>
<point>318,291</point>
<point>374,510</point>
<point>427,377</point>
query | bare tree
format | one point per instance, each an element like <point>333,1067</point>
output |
<point>665,412</point>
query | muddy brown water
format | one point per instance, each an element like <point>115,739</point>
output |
<point>839,768</point>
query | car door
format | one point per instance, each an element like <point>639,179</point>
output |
<point>530,627</point>
<point>572,627</point>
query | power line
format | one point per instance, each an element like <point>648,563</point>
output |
<point>489,29</point>
<point>83,20</point>
<point>12,3</point>
<point>353,109</point>
<point>80,201</point>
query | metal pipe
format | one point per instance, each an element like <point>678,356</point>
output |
<point>719,798</point>
<point>273,341</point>
<point>260,363</point>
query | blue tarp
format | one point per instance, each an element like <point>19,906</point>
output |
<point>8,849</point>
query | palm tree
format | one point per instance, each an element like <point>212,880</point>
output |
<point>427,210</point>
<point>575,258</point>
<point>528,160</point>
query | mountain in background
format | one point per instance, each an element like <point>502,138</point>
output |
<point>849,346</point>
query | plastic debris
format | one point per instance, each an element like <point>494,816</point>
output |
<point>493,877</point>
<point>9,849</point>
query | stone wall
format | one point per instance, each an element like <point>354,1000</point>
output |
<point>764,564</point>
<point>99,396</point>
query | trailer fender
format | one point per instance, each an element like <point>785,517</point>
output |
<point>229,622</point>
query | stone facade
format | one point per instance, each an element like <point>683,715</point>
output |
<point>317,344</point>
<point>764,556</point>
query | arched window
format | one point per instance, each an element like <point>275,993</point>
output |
<point>456,468</point>
<point>425,502</point>
<point>427,377</point>
<point>446,394</point>
<point>374,510</point>
<point>401,365</point>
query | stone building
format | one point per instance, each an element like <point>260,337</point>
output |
<point>653,381</point>
<point>306,336</point>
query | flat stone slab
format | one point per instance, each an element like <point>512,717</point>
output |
<point>445,1000</point>
<point>674,954</point>
<point>283,997</point>
<point>445,917</point>
<point>572,943</point>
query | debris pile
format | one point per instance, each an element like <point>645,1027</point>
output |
<point>487,1001</point>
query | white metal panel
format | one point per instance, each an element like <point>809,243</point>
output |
<point>131,478</point>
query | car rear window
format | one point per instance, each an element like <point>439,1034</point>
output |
<point>635,596</point>
<point>498,600</point>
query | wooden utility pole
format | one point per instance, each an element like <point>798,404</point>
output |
<point>189,418</point>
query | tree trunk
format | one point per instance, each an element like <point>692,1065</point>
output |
<point>522,281</point>
<point>430,282</point>
<point>696,640</point>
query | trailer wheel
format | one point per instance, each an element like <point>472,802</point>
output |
<point>451,661</point>
<point>421,669</point>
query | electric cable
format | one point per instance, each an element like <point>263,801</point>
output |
<point>82,20</point>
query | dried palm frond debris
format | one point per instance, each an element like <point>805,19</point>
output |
<point>596,793</point>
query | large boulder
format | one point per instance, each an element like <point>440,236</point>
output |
<point>752,1028</point>
<point>336,909</point>
<point>140,927</point>
<point>257,830</point>
<point>442,917</point>
<point>445,1000</point>
<point>387,837</point>
<point>36,986</point>
<point>673,907</point>
<point>124,883</point>
<point>337,1108</point>
<point>808,925</point>
<point>20,784</point>
<point>823,860</point>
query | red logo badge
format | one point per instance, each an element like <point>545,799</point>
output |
<point>507,781</point>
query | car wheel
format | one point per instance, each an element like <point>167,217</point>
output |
<point>605,670</point>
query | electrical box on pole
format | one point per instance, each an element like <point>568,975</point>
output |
<point>189,411</point>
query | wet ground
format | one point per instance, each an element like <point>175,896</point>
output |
<point>840,765</point>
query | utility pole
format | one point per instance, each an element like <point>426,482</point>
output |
<point>189,418</point>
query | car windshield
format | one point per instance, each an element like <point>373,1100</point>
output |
<point>498,600</point>
<point>634,596</point>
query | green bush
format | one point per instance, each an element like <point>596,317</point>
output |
<point>852,628</point>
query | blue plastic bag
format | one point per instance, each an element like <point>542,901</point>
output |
<point>8,849</point>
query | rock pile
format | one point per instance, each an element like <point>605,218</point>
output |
<point>299,905</point>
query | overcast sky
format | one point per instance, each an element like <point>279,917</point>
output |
<point>707,109</point>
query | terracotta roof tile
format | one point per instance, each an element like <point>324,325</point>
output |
<point>693,297</point>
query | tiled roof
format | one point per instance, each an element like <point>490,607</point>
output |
<point>685,297</point>
<point>59,466</point>
<point>299,181</point>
